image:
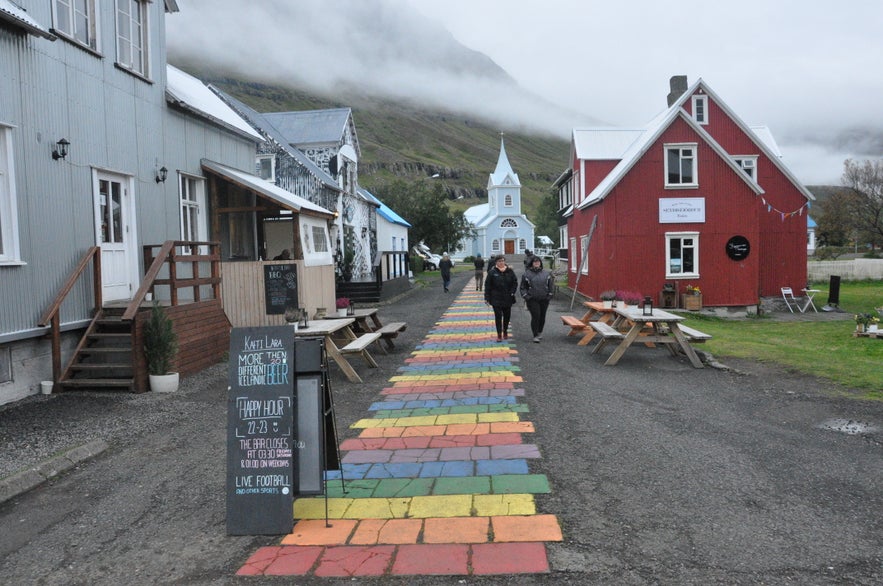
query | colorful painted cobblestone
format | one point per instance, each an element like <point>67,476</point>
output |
<point>438,481</point>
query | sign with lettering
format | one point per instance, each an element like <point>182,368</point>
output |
<point>738,247</point>
<point>280,288</point>
<point>684,210</point>
<point>261,475</point>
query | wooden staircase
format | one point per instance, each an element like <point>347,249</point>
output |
<point>104,358</point>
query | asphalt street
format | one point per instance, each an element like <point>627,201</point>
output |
<point>660,473</point>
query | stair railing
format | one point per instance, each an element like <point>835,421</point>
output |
<point>51,315</point>
<point>169,253</point>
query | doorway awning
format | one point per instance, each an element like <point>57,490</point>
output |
<point>267,190</point>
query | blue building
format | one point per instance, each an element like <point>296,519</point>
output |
<point>500,227</point>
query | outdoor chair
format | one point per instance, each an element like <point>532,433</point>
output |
<point>788,296</point>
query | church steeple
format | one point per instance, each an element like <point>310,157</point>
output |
<point>504,169</point>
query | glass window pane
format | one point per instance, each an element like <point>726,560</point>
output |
<point>117,209</point>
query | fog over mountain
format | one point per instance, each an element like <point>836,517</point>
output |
<point>376,47</point>
<point>805,68</point>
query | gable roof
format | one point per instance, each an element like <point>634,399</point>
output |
<point>187,92</point>
<point>384,210</point>
<point>311,127</point>
<point>260,122</point>
<point>635,143</point>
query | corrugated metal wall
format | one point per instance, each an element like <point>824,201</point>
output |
<point>115,122</point>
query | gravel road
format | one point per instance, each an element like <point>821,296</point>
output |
<point>660,473</point>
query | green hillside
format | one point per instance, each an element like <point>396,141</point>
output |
<point>403,140</point>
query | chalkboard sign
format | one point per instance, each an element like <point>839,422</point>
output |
<point>261,475</point>
<point>280,288</point>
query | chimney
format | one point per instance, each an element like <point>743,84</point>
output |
<point>678,85</point>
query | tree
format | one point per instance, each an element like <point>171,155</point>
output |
<point>866,206</point>
<point>834,223</point>
<point>424,206</point>
<point>547,216</point>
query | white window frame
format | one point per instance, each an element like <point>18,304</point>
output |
<point>507,200</point>
<point>572,255</point>
<point>195,204</point>
<point>10,251</point>
<point>683,157</point>
<point>64,20</point>
<point>258,166</point>
<point>681,274</point>
<point>584,246</point>
<point>135,14</point>
<point>700,101</point>
<point>495,245</point>
<point>748,163</point>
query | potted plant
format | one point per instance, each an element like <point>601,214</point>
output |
<point>864,321</point>
<point>342,304</point>
<point>160,349</point>
<point>607,297</point>
<point>692,298</point>
<point>631,298</point>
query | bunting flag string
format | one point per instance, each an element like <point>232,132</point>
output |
<point>783,214</point>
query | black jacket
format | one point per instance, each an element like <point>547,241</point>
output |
<point>500,287</point>
<point>536,283</point>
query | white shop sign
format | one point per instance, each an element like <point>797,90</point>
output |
<point>685,210</point>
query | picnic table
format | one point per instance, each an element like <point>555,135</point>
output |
<point>341,328</point>
<point>666,330</point>
<point>368,320</point>
<point>594,310</point>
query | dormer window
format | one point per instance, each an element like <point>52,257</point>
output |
<point>700,109</point>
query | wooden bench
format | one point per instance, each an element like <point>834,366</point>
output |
<point>574,323</point>
<point>694,335</point>
<point>607,332</point>
<point>390,331</point>
<point>360,346</point>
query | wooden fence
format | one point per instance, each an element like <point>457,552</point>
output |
<point>242,289</point>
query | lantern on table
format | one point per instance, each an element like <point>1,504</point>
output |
<point>351,309</point>
<point>303,318</point>
<point>648,306</point>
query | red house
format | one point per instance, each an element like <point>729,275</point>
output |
<point>696,198</point>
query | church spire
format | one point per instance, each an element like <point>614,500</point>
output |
<point>503,167</point>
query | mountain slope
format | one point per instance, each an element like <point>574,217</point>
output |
<point>401,140</point>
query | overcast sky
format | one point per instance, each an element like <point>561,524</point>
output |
<point>807,69</point>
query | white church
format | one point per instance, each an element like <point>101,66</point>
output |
<point>500,227</point>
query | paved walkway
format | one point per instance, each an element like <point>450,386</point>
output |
<point>438,481</point>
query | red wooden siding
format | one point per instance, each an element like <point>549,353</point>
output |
<point>628,247</point>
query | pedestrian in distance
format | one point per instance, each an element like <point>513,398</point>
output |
<point>491,262</point>
<point>479,271</point>
<point>528,256</point>
<point>445,266</point>
<point>499,292</point>
<point>536,289</point>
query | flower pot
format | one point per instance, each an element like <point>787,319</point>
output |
<point>342,312</point>
<point>164,383</point>
<point>872,328</point>
<point>607,303</point>
<point>691,302</point>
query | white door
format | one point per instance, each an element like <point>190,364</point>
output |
<point>113,204</point>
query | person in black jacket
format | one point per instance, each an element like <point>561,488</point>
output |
<point>499,292</point>
<point>479,271</point>
<point>536,289</point>
<point>445,267</point>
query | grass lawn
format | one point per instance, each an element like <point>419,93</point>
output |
<point>824,348</point>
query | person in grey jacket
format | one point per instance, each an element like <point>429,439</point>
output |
<point>536,289</point>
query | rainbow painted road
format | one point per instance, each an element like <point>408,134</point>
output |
<point>438,481</point>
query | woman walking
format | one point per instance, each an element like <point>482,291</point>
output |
<point>536,289</point>
<point>479,271</point>
<point>499,292</point>
<point>445,267</point>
